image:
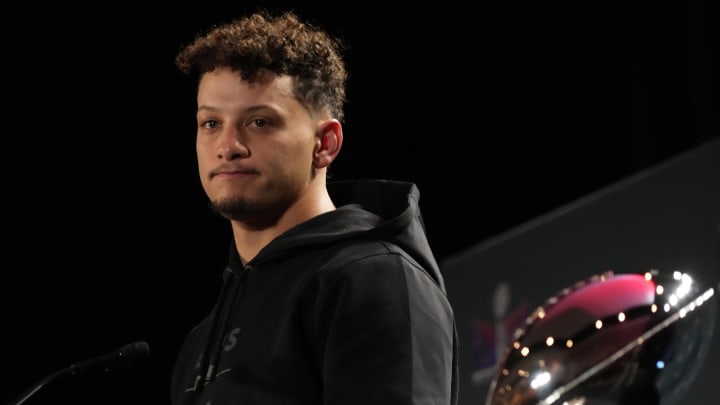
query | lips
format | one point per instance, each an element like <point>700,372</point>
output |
<point>231,171</point>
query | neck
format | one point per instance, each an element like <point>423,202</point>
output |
<point>250,240</point>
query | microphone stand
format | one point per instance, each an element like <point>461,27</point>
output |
<point>35,388</point>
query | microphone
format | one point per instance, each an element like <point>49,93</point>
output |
<point>121,359</point>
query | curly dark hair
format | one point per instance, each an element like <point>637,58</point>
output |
<point>281,44</point>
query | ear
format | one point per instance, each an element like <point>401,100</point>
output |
<point>328,143</point>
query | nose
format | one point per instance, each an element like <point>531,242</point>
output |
<point>231,144</point>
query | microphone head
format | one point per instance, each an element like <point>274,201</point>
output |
<point>123,358</point>
<point>135,350</point>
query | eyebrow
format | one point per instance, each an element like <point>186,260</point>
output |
<point>250,109</point>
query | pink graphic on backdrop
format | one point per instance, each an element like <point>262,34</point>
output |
<point>490,338</point>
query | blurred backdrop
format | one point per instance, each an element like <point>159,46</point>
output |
<point>500,112</point>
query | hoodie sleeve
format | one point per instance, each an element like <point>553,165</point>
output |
<point>388,335</point>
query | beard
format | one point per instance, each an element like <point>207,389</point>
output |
<point>253,213</point>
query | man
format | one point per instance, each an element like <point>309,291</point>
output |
<point>331,294</point>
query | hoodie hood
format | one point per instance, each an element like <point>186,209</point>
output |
<point>368,208</point>
<point>396,204</point>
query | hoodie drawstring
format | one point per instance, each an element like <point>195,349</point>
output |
<point>219,307</point>
<point>222,316</point>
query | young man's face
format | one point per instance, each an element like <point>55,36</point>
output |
<point>255,145</point>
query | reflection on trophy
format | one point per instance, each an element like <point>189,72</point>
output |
<point>613,339</point>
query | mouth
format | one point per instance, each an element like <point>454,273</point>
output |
<point>237,174</point>
<point>231,172</point>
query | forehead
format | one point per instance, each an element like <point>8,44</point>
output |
<point>225,83</point>
<point>227,92</point>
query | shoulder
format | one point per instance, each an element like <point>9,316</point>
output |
<point>358,255</point>
<point>380,284</point>
<point>378,266</point>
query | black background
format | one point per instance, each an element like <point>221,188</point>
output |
<point>499,112</point>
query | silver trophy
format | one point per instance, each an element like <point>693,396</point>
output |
<point>613,339</point>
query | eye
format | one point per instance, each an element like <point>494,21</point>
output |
<point>209,124</point>
<point>258,122</point>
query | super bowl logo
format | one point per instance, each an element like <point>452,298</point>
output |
<point>490,338</point>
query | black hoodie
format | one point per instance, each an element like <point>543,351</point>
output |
<point>346,308</point>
